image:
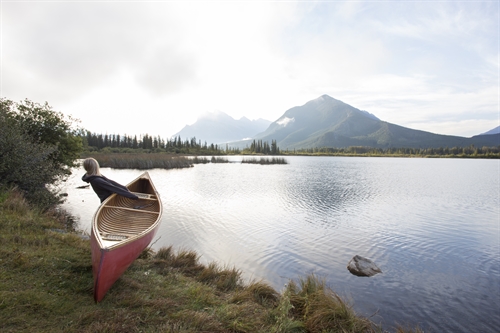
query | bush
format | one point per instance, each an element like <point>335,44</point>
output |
<point>41,124</point>
<point>36,150</point>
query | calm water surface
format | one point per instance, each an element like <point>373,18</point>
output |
<point>431,225</point>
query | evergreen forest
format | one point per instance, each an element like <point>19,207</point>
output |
<point>125,143</point>
<point>115,143</point>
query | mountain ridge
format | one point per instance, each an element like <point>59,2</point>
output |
<point>218,127</point>
<point>324,122</point>
<point>328,122</point>
<point>495,130</point>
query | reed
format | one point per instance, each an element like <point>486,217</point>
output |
<point>165,253</point>
<point>184,258</point>
<point>199,160</point>
<point>265,160</point>
<point>260,292</point>
<point>284,321</point>
<point>219,159</point>
<point>143,161</point>
<point>224,279</point>
<point>322,310</point>
<point>205,160</point>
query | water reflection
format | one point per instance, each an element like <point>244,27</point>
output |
<point>431,225</point>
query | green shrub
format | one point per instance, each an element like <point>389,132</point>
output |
<point>36,150</point>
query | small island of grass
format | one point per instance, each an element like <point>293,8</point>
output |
<point>265,160</point>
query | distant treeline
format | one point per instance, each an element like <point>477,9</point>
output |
<point>470,151</point>
<point>123,143</point>
<point>115,143</point>
<point>260,147</point>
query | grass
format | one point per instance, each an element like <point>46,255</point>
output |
<point>46,286</point>
<point>265,160</point>
<point>142,161</point>
<point>205,160</point>
<point>145,161</point>
<point>219,159</point>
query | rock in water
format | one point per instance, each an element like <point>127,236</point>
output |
<point>362,266</point>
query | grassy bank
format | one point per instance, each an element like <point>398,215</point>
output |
<point>46,286</point>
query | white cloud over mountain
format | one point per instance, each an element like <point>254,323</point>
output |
<point>160,64</point>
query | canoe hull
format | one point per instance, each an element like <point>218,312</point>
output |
<point>108,265</point>
<point>121,229</point>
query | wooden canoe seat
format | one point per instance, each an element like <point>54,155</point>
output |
<point>113,237</point>
<point>145,196</point>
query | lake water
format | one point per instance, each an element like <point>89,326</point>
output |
<point>431,225</point>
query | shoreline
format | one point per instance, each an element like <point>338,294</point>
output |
<point>47,287</point>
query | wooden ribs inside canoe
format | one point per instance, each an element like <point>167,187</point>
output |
<point>128,218</point>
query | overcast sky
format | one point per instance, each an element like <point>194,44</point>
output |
<point>130,67</point>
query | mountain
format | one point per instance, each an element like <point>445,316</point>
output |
<point>496,130</point>
<point>327,122</point>
<point>492,137</point>
<point>218,127</point>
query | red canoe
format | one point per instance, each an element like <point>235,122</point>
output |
<point>121,229</point>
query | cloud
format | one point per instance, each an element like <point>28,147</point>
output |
<point>409,64</point>
<point>68,48</point>
<point>166,70</point>
<point>405,62</point>
<point>285,121</point>
<point>414,103</point>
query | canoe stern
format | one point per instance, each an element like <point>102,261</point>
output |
<point>109,264</point>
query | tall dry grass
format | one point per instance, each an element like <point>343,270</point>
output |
<point>265,160</point>
<point>321,309</point>
<point>143,161</point>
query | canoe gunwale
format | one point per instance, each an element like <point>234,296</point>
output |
<point>135,236</point>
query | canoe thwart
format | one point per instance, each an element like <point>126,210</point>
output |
<point>145,196</point>
<point>113,237</point>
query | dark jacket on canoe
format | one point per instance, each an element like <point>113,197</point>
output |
<point>104,187</point>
